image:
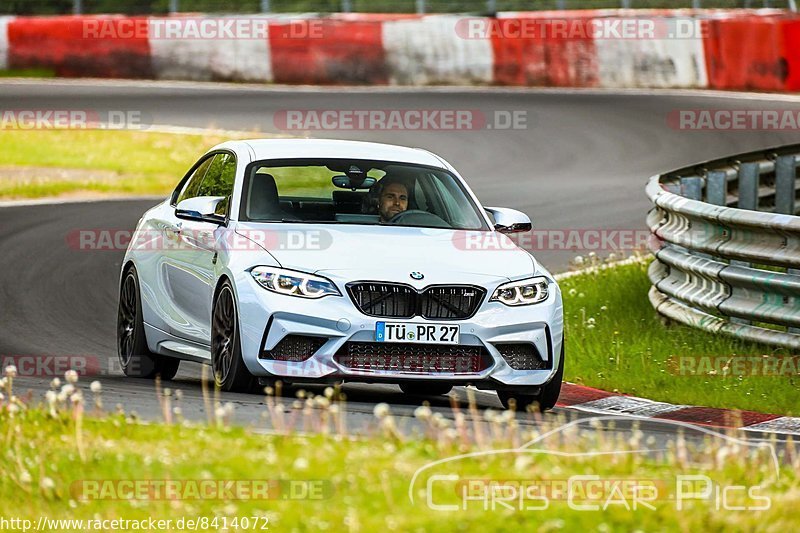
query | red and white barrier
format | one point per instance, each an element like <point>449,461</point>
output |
<point>208,59</point>
<point>4,41</point>
<point>431,51</point>
<point>658,62</point>
<point>735,49</point>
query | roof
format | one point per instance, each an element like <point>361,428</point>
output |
<point>330,148</point>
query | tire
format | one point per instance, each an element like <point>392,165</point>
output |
<point>544,400</point>
<point>230,372</point>
<point>135,357</point>
<point>425,389</point>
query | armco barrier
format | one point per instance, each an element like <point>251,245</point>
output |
<point>736,49</point>
<point>728,246</point>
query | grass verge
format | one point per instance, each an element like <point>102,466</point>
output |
<point>616,341</point>
<point>59,464</point>
<point>39,163</point>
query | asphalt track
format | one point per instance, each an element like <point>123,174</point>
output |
<point>581,162</point>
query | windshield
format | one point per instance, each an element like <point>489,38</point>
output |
<point>338,191</point>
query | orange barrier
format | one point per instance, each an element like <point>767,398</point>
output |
<point>557,53</point>
<point>791,47</point>
<point>327,52</point>
<point>103,46</point>
<point>746,53</point>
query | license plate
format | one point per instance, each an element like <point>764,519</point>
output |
<point>417,333</point>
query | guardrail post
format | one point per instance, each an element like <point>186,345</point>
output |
<point>785,184</point>
<point>748,199</point>
<point>692,188</point>
<point>717,188</point>
<point>265,7</point>
<point>420,7</point>
<point>748,186</point>
<point>785,192</point>
<point>77,7</point>
<point>173,6</point>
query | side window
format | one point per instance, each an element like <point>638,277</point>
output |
<point>192,185</point>
<point>218,180</point>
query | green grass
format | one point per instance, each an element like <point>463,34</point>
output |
<point>629,349</point>
<point>44,163</point>
<point>362,484</point>
<point>99,162</point>
<point>28,73</point>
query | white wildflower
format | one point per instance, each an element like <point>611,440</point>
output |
<point>381,410</point>
<point>422,412</point>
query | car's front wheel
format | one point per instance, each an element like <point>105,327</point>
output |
<point>136,359</point>
<point>230,372</point>
<point>544,400</point>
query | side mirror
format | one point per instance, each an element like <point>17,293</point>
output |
<point>200,208</point>
<point>509,220</point>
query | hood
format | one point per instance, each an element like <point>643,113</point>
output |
<point>391,253</point>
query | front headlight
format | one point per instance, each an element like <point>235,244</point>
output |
<point>293,283</point>
<point>523,292</point>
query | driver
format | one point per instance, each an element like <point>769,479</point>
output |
<point>393,199</point>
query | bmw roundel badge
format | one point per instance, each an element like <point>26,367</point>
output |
<point>417,275</point>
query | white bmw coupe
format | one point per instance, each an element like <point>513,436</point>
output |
<point>337,261</point>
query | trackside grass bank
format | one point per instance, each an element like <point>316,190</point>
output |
<point>58,463</point>
<point>39,163</point>
<point>616,341</point>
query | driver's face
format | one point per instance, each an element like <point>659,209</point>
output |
<point>393,200</point>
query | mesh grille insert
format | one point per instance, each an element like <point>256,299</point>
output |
<point>413,358</point>
<point>294,348</point>
<point>522,356</point>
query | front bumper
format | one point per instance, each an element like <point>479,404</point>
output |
<point>266,318</point>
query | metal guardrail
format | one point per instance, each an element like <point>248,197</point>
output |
<point>727,246</point>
